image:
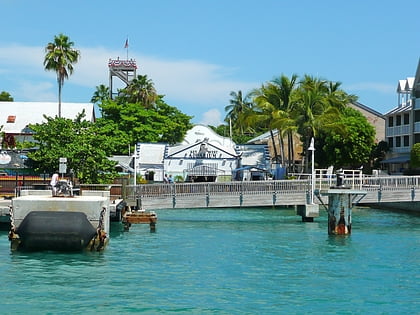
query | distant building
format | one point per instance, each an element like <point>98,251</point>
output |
<point>15,117</point>
<point>203,156</point>
<point>375,118</point>
<point>403,124</point>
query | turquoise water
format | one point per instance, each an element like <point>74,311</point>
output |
<point>249,261</point>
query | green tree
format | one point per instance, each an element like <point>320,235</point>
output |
<point>101,94</point>
<point>236,110</point>
<point>140,90</point>
<point>274,108</point>
<point>318,107</point>
<point>351,147</point>
<point>129,123</point>
<point>378,154</point>
<point>5,97</point>
<point>415,156</point>
<point>80,141</point>
<point>60,57</point>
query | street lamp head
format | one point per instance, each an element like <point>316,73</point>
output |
<point>312,145</point>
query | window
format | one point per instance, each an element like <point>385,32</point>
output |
<point>398,123</point>
<point>417,115</point>
<point>417,138</point>
<point>398,142</point>
<point>406,119</point>
<point>391,142</point>
<point>406,141</point>
<point>390,121</point>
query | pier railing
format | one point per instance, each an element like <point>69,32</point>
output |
<point>269,193</point>
<point>258,193</point>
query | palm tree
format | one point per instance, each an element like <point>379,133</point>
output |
<point>318,108</point>
<point>60,57</point>
<point>101,94</point>
<point>236,110</point>
<point>286,89</point>
<point>141,90</point>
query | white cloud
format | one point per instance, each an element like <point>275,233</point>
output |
<point>372,86</point>
<point>194,83</point>
<point>211,117</point>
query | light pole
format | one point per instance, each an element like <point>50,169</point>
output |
<point>312,149</point>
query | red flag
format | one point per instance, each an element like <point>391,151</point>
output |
<point>126,43</point>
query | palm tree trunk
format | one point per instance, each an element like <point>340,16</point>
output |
<point>59,99</point>
<point>281,144</point>
<point>276,157</point>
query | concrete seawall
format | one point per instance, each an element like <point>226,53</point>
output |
<point>411,206</point>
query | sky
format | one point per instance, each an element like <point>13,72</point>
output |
<point>198,51</point>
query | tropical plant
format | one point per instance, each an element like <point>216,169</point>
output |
<point>415,156</point>
<point>236,111</point>
<point>140,90</point>
<point>101,94</point>
<point>130,123</point>
<point>81,142</point>
<point>350,147</point>
<point>319,104</point>
<point>5,97</point>
<point>60,57</point>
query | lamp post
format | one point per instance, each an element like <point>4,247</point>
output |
<point>312,149</point>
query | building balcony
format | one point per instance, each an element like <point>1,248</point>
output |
<point>397,131</point>
<point>401,149</point>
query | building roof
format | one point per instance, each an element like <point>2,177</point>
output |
<point>367,108</point>
<point>399,109</point>
<point>416,83</point>
<point>405,86</point>
<point>256,155</point>
<point>16,116</point>
<point>200,132</point>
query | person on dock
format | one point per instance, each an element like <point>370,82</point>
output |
<point>170,179</point>
<point>165,179</point>
<point>53,183</point>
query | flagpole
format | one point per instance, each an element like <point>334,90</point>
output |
<point>126,46</point>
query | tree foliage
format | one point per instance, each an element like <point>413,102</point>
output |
<point>80,141</point>
<point>415,156</point>
<point>60,57</point>
<point>5,97</point>
<point>350,147</point>
<point>129,123</point>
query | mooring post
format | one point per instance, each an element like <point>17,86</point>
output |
<point>339,214</point>
<point>340,204</point>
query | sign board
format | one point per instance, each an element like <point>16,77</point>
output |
<point>62,167</point>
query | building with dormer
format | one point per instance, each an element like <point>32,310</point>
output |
<point>403,124</point>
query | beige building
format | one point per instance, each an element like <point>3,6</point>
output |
<point>375,118</point>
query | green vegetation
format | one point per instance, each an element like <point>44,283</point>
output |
<point>5,97</point>
<point>60,57</point>
<point>415,156</point>
<point>83,144</point>
<point>139,114</point>
<point>310,107</point>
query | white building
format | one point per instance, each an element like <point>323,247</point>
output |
<point>403,125</point>
<point>16,116</point>
<point>203,156</point>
